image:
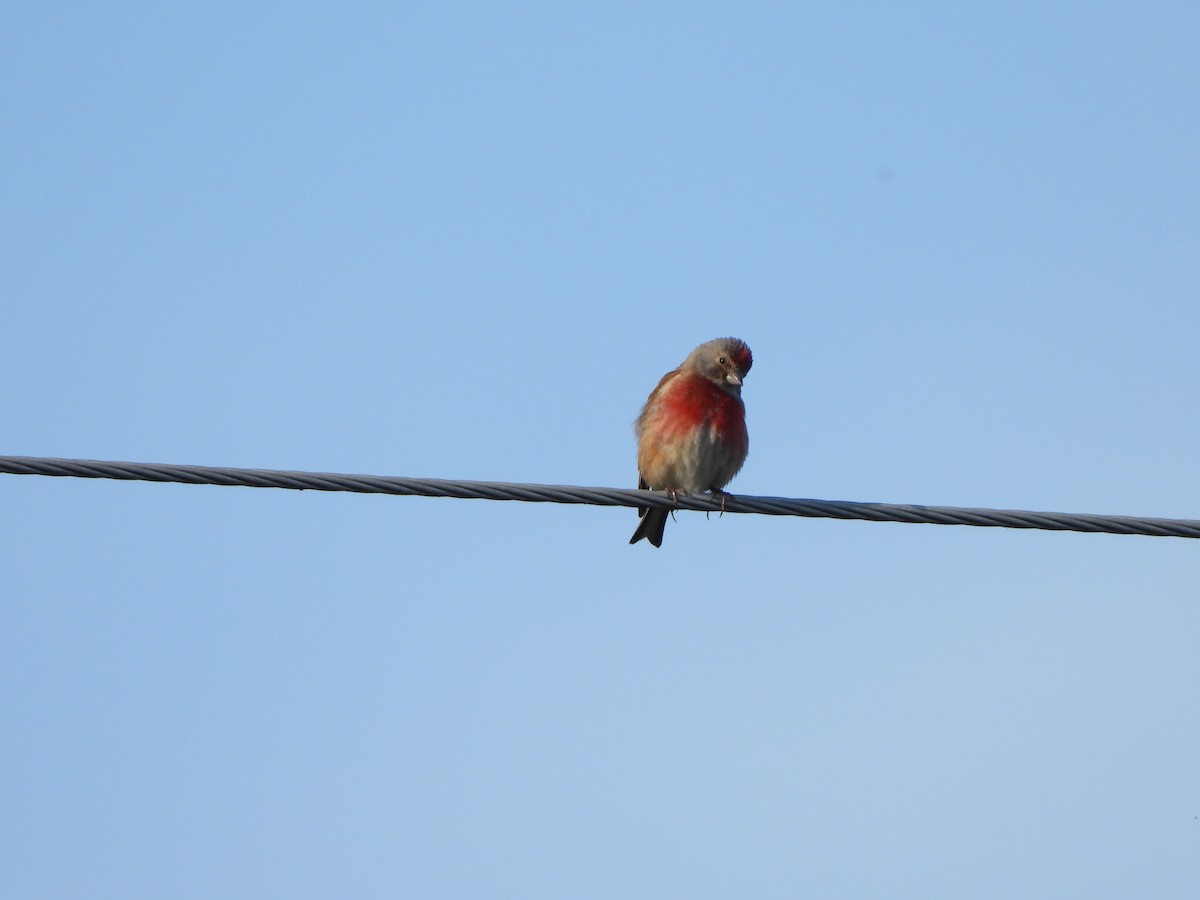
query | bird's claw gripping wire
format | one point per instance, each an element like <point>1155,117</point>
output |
<point>674,495</point>
<point>717,492</point>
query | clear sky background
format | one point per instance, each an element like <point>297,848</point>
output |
<point>464,241</point>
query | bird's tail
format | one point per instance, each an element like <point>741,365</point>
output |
<point>651,527</point>
<point>653,521</point>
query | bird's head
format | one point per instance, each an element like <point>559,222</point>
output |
<point>724,361</point>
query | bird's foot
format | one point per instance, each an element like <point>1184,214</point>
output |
<point>674,495</point>
<point>717,492</point>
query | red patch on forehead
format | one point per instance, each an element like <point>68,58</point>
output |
<point>742,356</point>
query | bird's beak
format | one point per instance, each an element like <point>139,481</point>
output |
<point>733,379</point>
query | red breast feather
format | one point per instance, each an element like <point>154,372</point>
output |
<point>692,435</point>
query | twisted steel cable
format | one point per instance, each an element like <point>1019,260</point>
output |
<point>597,496</point>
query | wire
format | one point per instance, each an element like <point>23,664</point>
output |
<point>594,496</point>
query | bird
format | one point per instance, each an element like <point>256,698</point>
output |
<point>691,434</point>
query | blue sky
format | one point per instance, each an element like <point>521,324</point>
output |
<point>464,241</point>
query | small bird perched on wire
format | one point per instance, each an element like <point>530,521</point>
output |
<point>692,431</point>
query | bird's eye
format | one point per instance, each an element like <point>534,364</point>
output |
<point>721,361</point>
